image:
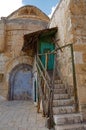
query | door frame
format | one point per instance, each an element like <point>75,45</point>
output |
<point>12,76</point>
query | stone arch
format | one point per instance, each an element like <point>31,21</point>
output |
<point>20,82</point>
<point>11,64</point>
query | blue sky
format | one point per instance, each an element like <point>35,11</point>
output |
<point>9,6</point>
<point>45,5</point>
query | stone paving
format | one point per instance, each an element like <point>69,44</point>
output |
<point>20,115</point>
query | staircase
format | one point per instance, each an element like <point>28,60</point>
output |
<point>58,104</point>
<point>64,111</point>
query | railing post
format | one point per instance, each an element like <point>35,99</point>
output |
<point>46,60</point>
<point>74,79</point>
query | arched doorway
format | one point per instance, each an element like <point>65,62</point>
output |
<point>20,82</point>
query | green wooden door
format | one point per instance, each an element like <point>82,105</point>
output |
<point>44,48</point>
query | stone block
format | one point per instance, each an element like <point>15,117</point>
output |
<point>78,7</point>
<point>79,40</point>
<point>80,68</point>
<point>78,57</point>
<point>82,80</point>
<point>82,95</point>
<point>2,43</point>
<point>84,57</point>
<point>80,47</point>
<point>68,119</point>
<point>2,32</point>
<point>3,93</point>
<point>84,114</point>
<point>2,26</point>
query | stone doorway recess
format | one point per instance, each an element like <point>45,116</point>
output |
<point>20,83</point>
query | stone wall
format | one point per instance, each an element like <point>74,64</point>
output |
<point>62,19</point>
<point>15,31</point>
<point>2,35</point>
<point>70,18</point>
<point>78,20</point>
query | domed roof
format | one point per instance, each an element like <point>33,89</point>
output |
<point>28,12</point>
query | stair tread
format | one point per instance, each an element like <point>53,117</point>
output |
<point>64,110</point>
<point>59,84</point>
<point>68,115</point>
<point>58,80</point>
<point>63,102</point>
<point>70,127</point>
<point>71,118</point>
<point>60,88</point>
<point>60,91</point>
<point>61,96</point>
<point>71,106</point>
<point>69,99</point>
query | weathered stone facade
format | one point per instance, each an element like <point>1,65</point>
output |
<point>78,20</point>
<point>70,18</point>
<point>12,29</point>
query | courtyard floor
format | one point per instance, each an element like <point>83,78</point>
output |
<point>20,115</point>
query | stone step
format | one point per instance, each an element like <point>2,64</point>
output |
<point>61,96</point>
<point>85,126</point>
<point>71,127</point>
<point>64,110</point>
<point>60,91</point>
<point>63,102</point>
<point>84,117</point>
<point>58,81</point>
<point>59,86</point>
<point>68,119</point>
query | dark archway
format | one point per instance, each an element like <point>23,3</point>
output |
<point>20,82</point>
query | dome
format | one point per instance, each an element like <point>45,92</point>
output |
<point>28,12</point>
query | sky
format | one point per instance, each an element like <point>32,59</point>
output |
<point>8,6</point>
<point>47,6</point>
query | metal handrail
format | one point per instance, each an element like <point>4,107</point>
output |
<point>73,68</point>
<point>47,94</point>
<point>48,80</point>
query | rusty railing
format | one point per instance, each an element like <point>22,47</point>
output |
<point>63,60</point>
<point>45,92</point>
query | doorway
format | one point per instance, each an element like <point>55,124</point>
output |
<point>20,82</point>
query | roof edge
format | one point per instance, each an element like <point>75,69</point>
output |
<point>29,6</point>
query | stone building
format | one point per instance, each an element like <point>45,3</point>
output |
<point>25,20</point>
<point>21,35</point>
<point>70,18</point>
